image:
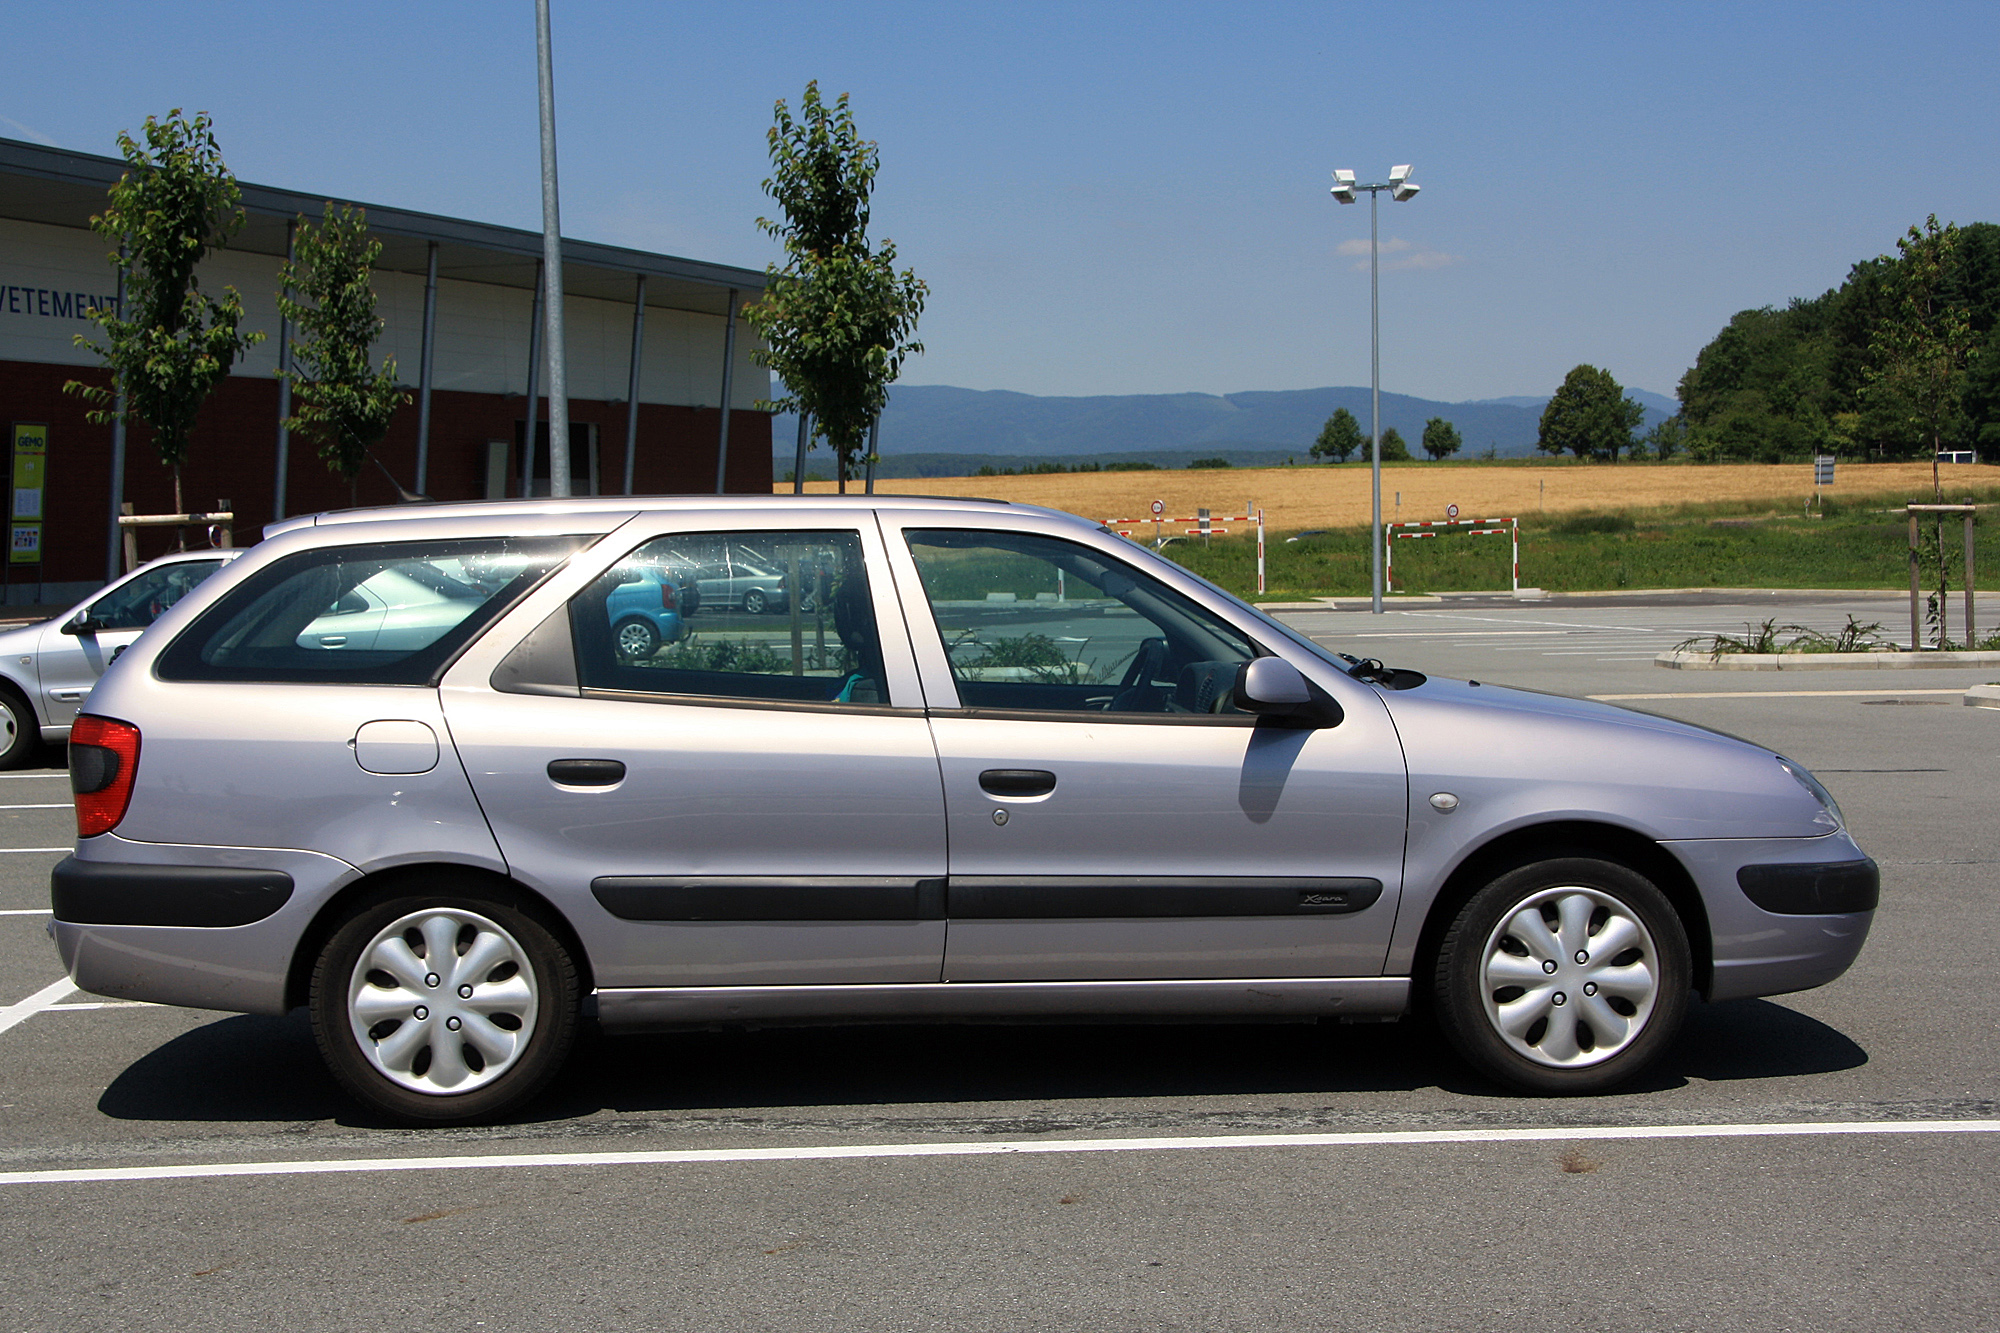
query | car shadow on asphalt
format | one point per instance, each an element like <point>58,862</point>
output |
<point>255,1069</point>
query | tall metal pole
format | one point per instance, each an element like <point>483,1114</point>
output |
<point>113,560</point>
<point>429,369</point>
<point>283,471</point>
<point>552,266</point>
<point>728,371</point>
<point>529,442</point>
<point>805,438</point>
<point>1375,405</point>
<point>632,386</point>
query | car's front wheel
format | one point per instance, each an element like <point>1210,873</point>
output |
<point>1566,976</point>
<point>443,1009</point>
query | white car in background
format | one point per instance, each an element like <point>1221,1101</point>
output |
<point>46,669</point>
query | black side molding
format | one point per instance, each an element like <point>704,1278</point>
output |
<point>1826,888</point>
<point>1001,897</point>
<point>110,893</point>
<point>770,897</point>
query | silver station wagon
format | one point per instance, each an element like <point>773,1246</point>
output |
<point>1010,765</point>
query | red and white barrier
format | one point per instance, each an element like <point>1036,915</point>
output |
<point>1206,526</point>
<point>1475,527</point>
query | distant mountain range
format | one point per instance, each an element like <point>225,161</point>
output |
<point>937,419</point>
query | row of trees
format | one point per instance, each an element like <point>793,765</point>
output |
<point>837,318</point>
<point>1901,360</point>
<point>169,345</point>
<point>1341,437</point>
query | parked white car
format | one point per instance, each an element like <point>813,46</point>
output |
<point>46,669</point>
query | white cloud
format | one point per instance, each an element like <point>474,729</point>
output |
<point>1408,255</point>
<point>28,132</point>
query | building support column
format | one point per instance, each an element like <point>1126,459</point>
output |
<point>632,385</point>
<point>728,373</point>
<point>429,370</point>
<point>282,475</point>
<point>115,554</point>
<point>528,445</point>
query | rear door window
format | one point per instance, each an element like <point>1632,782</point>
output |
<point>824,649</point>
<point>390,614</point>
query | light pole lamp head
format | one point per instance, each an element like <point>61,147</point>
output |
<point>1343,186</point>
<point>1400,186</point>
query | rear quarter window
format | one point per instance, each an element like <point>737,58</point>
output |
<point>387,614</point>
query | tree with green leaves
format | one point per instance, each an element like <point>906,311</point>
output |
<point>1339,437</point>
<point>837,319</point>
<point>327,292</point>
<point>1922,347</point>
<point>167,346</point>
<point>1394,450</point>
<point>1589,416</point>
<point>1441,438</point>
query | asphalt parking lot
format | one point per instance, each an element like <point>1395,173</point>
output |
<point>1815,1161</point>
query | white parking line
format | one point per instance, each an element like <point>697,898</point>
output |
<point>25,911</point>
<point>23,1010</point>
<point>55,805</point>
<point>5,850</point>
<point>850,1152</point>
<point>1773,694</point>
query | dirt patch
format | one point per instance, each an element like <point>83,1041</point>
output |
<point>1337,496</point>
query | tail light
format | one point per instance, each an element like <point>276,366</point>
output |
<point>668,594</point>
<point>103,759</point>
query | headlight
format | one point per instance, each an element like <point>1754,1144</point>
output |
<point>1829,808</point>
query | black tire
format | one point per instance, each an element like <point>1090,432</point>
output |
<point>479,1042</point>
<point>754,602</point>
<point>636,638</point>
<point>1523,1003</point>
<point>20,733</point>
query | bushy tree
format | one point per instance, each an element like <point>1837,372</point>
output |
<point>1922,347</point>
<point>1589,416</point>
<point>837,319</point>
<point>1394,450</point>
<point>1339,437</point>
<point>169,345</point>
<point>327,292</point>
<point>1441,438</point>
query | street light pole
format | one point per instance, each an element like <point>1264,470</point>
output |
<point>1344,191</point>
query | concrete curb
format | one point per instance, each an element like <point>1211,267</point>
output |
<point>1679,661</point>
<point>1983,696</point>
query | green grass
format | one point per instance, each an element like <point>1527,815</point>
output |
<point>1859,543</point>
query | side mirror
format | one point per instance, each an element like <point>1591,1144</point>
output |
<point>1272,687</point>
<point>82,624</point>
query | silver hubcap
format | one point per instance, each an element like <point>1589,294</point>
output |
<point>634,641</point>
<point>442,1001</point>
<point>1569,977</point>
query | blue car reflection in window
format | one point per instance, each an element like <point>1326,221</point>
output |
<point>644,612</point>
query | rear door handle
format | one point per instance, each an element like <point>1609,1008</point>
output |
<point>1017,782</point>
<point>586,772</point>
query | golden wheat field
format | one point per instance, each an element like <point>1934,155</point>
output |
<point>1330,497</point>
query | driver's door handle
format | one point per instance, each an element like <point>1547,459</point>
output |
<point>1017,782</point>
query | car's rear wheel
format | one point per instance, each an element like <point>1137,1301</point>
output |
<point>637,638</point>
<point>754,602</point>
<point>20,734</point>
<point>443,1009</point>
<point>1567,976</point>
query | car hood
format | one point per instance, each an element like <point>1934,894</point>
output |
<point>1516,756</point>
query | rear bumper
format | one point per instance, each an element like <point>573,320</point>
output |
<point>205,927</point>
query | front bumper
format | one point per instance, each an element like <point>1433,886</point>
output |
<point>1757,951</point>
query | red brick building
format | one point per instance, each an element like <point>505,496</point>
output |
<point>477,285</point>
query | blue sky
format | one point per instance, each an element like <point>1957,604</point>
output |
<point>1131,198</point>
